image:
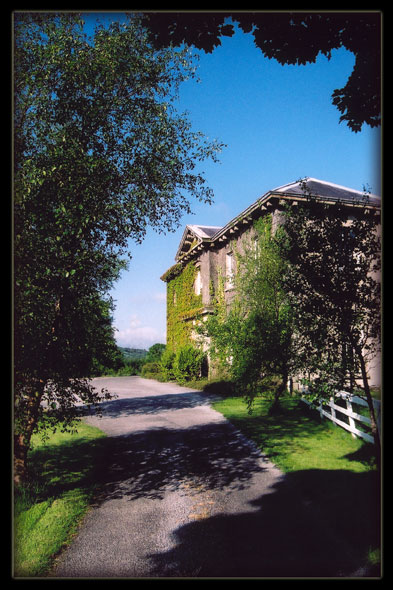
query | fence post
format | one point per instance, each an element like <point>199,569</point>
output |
<point>332,410</point>
<point>351,420</point>
<point>352,416</point>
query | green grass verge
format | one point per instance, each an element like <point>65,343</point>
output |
<point>333,472</point>
<point>48,510</point>
<point>297,438</point>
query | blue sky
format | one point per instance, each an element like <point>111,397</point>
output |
<point>279,125</point>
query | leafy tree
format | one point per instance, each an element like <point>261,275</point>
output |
<point>151,370</point>
<point>107,356</point>
<point>155,353</point>
<point>294,38</point>
<point>100,154</point>
<point>333,284</point>
<point>253,339</point>
<point>188,363</point>
<point>167,363</point>
<point>52,363</point>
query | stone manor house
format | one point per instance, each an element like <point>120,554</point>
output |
<point>205,252</point>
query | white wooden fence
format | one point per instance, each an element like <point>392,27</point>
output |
<point>348,411</point>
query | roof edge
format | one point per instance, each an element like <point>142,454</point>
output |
<point>263,200</point>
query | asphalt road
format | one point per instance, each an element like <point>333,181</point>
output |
<point>184,494</point>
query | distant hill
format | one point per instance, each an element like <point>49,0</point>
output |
<point>133,353</point>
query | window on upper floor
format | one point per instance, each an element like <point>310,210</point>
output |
<point>198,283</point>
<point>230,270</point>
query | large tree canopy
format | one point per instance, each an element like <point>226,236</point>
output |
<point>332,280</point>
<point>294,38</point>
<point>251,340</point>
<point>100,155</point>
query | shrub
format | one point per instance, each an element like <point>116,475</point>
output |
<point>188,363</point>
<point>131,367</point>
<point>167,363</point>
<point>151,370</point>
<point>155,352</point>
<point>223,387</point>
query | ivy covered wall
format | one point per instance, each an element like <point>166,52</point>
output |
<point>182,306</point>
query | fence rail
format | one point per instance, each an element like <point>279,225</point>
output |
<point>348,411</point>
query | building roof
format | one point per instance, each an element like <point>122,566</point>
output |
<point>204,231</point>
<point>321,188</point>
<point>196,236</point>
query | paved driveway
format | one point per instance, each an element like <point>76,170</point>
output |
<point>184,494</point>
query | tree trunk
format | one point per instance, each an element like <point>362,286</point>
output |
<point>29,396</point>
<point>374,426</point>
<point>21,447</point>
<point>22,437</point>
<point>278,393</point>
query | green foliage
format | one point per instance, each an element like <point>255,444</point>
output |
<point>294,38</point>
<point>155,352</point>
<point>296,438</point>
<point>82,341</point>
<point>133,353</point>
<point>252,340</point>
<point>332,471</point>
<point>47,510</point>
<point>101,154</point>
<point>221,387</point>
<point>131,361</point>
<point>188,363</point>
<point>132,367</point>
<point>333,283</point>
<point>167,363</point>
<point>128,368</point>
<point>182,306</point>
<point>151,369</point>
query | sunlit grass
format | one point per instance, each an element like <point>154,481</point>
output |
<point>333,472</point>
<point>297,438</point>
<point>49,508</point>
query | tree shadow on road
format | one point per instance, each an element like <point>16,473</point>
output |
<point>154,404</point>
<point>292,534</point>
<point>149,463</point>
<point>313,523</point>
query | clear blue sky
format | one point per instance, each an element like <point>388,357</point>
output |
<point>279,125</point>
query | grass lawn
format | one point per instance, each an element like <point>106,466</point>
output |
<point>334,472</point>
<point>47,511</point>
<point>297,438</point>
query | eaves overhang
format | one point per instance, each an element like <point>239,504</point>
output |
<point>319,191</point>
<point>277,197</point>
<point>194,236</point>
